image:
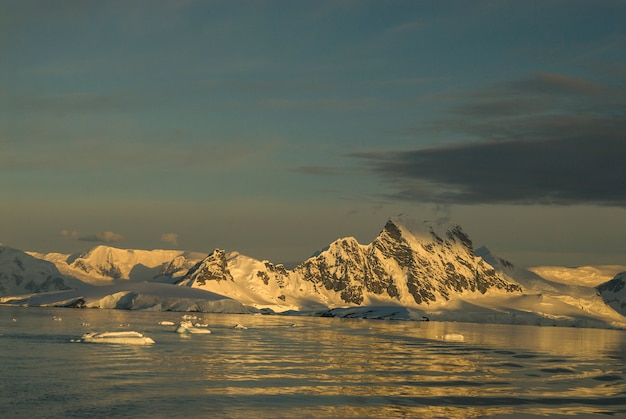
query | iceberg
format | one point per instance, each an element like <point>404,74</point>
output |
<point>120,338</point>
<point>186,327</point>
<point>452,337</point>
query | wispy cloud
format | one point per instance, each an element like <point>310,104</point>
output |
<point>103,237</point>
<point>170,238</point>
<point>69,234</point>
<point>546,139</point>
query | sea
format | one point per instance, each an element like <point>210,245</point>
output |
<point>274,366</point>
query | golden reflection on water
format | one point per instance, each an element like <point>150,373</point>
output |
<point>334,368</point>
<point>370,369</point>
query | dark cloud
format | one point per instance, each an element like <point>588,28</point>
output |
<point>548,139</point>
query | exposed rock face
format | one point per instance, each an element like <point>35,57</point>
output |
<point>613,293</point>
<point>407,263</point>
<point>336,268</point>
<point>430,264</point>
<point>211,268</point>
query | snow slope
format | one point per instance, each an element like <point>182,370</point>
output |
<point>134,296</point>
<point>411,270</point>
<point>104,264</point>
<point>407,264</point>
<point>21,273</point>
<point>554,299</point>
<point>583,275</point>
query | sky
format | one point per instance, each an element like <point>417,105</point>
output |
<point>275,127</point>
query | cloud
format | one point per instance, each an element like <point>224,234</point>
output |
<point>547,139</point>
<point>171,238</point>
<point>69,234</point>
<point>104,237</point>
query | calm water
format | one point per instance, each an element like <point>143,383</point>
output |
<point>320,367</point>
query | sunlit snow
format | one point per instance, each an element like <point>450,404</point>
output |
<point>119,338</point>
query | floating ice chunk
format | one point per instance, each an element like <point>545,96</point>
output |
<point>166,323</point>
<point>57,318</point>
<point>121,338</point>
<point>240,326</point>
<point>186,327</point>
<point>201,325</point>
<point>452,337</point>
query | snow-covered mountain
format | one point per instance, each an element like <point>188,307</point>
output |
<point>411,270</point>
<point>555,300</point>
<point>614,292</point>
<point>254,282</point>
<point>104,264</point>
<point>590,276</point>
<point>407,264</point>
<point>21,273</point>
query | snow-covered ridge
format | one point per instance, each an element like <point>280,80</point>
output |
<point>103,264</point>
<point>581,275</point>
<point>21,273</point>
<point>411,270</point>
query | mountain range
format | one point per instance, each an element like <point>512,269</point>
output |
<point>411,270</point>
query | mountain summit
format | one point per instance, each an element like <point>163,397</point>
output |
<point>411,270</point>
<point>408,263</point>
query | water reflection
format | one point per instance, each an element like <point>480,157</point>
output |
<point>320,368</point>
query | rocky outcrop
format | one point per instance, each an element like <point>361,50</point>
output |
<point>407,263</point>
<point>613,293</point>
<point>431,261</point>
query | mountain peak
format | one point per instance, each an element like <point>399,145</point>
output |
<point>420,229</point>
<point>417,234</point>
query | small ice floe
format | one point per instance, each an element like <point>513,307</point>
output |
<point>186,327</point>
<point>86,324</point>
<point>452,337</point>
<point>120,338</point>
<point>189,317</point>
<point>124,324</point>
<point>240,326</point>
<point>14,319</point>
<point>57,318</point>
<point>166,323</point>
<point>201,325</point>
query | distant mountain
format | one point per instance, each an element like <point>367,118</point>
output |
<point>590,276</point>
<point>21,273</point>
<point>411,270</point>
<point>555,300</point>
<point>613,292</point>
<point>104,264</point>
